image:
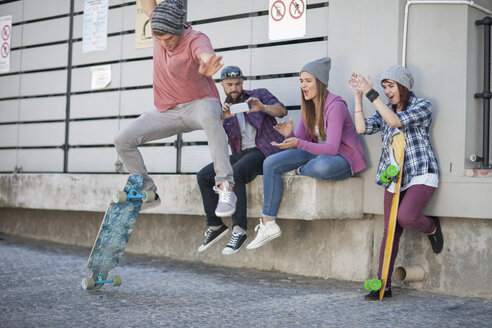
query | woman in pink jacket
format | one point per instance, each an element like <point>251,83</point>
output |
<point>325,145</point>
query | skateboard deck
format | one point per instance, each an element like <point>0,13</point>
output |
<point>114,233</point>
<point>392,172</point>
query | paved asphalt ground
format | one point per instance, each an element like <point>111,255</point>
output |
<point>40,287</point>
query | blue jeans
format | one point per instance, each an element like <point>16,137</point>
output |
<point>321,167</point>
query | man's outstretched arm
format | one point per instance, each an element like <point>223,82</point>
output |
<point>148,6</point>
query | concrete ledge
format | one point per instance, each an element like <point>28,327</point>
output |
<point>304,198</point>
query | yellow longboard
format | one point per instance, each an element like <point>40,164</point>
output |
<point>398,145</point>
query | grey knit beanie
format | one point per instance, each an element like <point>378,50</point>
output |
<point>398,74</point>
<point>320,68</point>
<point>169,17</point>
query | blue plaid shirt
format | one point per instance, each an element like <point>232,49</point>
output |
<point>262,122</point>
<point>419,156</point>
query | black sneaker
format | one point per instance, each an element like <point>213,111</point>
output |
<point>374,295</point>
<point>436,239</point>
<point>212,236</point>
<point>235,243</point>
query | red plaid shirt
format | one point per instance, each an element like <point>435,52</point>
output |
<point>262,122</point>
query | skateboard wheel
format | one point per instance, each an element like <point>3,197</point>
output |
<point>373,284</point>
<point>149,196</point>
<point>119,197</point>
<point>392,170</point>
<point>116,281</point>
<point>88,283</point>
<point>384,177</point>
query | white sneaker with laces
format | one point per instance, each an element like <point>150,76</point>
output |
<point>266,233</point>
<point>227,200</point>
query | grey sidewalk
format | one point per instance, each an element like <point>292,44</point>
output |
<point>40,287</point>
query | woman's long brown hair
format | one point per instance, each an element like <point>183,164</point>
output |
<point>310,116</point>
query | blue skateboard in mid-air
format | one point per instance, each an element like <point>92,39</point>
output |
<point>115,231</point>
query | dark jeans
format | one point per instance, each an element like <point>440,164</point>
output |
<point>409,216</point>
<point>246,166</point>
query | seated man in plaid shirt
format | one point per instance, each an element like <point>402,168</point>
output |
<point>250,134</point>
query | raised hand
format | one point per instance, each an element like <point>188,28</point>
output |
<point>285,128</point>
<point>359,83</point>
<point>211,65</point>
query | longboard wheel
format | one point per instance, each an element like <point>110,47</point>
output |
<point>373,284</point>
<point>88,283</point>
<point>384,177</point>
<point>116,281</point>
<point>149,196</point>
<point>392,171</point>
<point>119,197</point>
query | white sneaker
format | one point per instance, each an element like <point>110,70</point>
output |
<point>266,233</point>
<point>227,201</point>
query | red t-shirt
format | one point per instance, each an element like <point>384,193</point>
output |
<point>176,77</point>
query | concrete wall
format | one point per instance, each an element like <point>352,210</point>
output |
<point>334,241</point>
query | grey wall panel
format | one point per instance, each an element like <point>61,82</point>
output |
<point>14,9</point>
<point>8,135</point>
<point>136,73</point>
<point>9,110</point>
<point>16,38</point>
<point>228,33</point>
<point>34,9</point>
<point>82,78</point>
<point>97,132</point>
<point>92,160</point>
<point>159,159</point>
<point>45,57</point>
<point>100,104</point>
<point>41,134</point>
<point>9,86</point>
<point>199,9</point>
<point>193,158</point>
<point>136,102</point>
<point>44,83</point>
<point>111,53</point>
<point>129,14</point>
<point>8,160</point>
<point>286,59</point>
<point>129,51</point>
<point>287,90</point>
<point>241,58</point>
<point>46,31</point>
<point>15,61</point>
<point>39,109</point>
<point>40,160</point>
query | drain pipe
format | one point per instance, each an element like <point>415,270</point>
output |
<point>405,22</point>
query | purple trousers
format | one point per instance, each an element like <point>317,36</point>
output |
<point>412,203</point>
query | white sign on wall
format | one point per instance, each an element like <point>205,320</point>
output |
<point>95,25</point>
<point>6,31</point>
<point>287,19</point>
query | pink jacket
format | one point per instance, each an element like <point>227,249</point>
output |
<point>341,137</point>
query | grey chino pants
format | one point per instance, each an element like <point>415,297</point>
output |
<point>203,114</point>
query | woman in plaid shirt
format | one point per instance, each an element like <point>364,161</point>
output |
<point>412,115</point>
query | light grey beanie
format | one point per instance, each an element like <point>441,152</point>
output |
<point>169,17</point>
<point>320,68</point>
<point>398,74</point>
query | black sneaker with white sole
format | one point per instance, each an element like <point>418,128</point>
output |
<point>436,239</point>
<point>212,236</point>
<point>235,243</point>
<point>374,295</point>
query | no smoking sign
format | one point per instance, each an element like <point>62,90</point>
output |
<point>5,29</point>
<point>287,19</point>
